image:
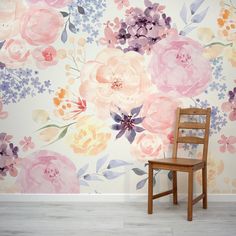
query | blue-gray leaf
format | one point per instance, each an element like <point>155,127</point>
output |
<point>100,163</point>
<point>187,30</point>
<point>195,5</point>
<point>93,177</point>
<point>111,175</point>
<point>199,17</point>
<point>72,28</point>
<point>84,183</point>
<point>141,183</point>
<point>81,10</point>
<point>64,35</point>
<point>138,171</point>
<point>117,163</point>
<point>183,14</point>
<point>64,14</point>
<point>82,170</point>
<point>1,44</point>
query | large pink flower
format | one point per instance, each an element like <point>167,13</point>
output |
<point>178,66</point>
<point>52,3</point>
<point>159,112</point>
<point>14,53</point>
<point>45,56</point>
<point>147,146</point>
<point>41,25</point>
<point>10,14</point>
<point>48,172</point>
<point>231,108</point>
<point>114,78</point>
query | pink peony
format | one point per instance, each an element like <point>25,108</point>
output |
<point>53,3</point>
<point>48,172</point>
<point>227,144</point>
<point>45,56</point>
<point>147,147</point>
<point>114,78</point>
<point>231,108</point>
<point>178,66</point>
<point>10,14</point>
<point>41,25</point>
<point>159,112</point>
<point>14,53</point>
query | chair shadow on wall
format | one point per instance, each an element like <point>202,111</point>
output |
<point>198,121</point>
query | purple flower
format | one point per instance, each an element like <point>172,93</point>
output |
<point>127,123</point>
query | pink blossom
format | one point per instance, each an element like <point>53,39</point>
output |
<point>5,138</point>
<point>14,53</point>
<point>45,56</point>
<point>110,37</point>
<point>178,66</point>
<point>159,112</point>
<point>227,143</point>
<point>48,172</point>
<point>53,3</point>
<point>121,3</point>
<point>27,144</point>
<point>3,114</point>
<point>41,25</point>
<point>147,147</point>
<point>231,108</point>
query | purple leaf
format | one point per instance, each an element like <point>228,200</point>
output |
<point>195,5</point>
<point>138,129</point>
<point>138,171</point>
<point>135,111</point>
<point>82,170</point>
<point>130,135</point>
<point>72,28</point>
<point>111,175</point>
<point>117,163</point>
<point>1,44</point>
<point>120,133</point>
<point>183,14</point>
<point>92,177</point>
<point>116,127</point>
<point>115,116</point>
<point>141,183</point>
<point>137,120</point>
<point>187,30</point>
<point>199,17</point>
<point>82,182</point>
<point>100,163</point>
<point>64,35</point>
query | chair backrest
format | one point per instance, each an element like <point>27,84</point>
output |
<point>199,120</point>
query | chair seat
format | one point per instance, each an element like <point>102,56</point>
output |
<point>178,161</point>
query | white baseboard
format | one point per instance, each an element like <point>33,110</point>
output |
<point>103,198</point>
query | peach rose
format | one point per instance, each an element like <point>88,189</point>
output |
<point>52,3</point>
<point>14,53</point>
<point>10,14</point>
<point>159,112</point>
<point>147,146</point>
<point>45,56</point>
<point>114,78</point>
<point>48,172</point>
<point>90,137</point>
<point>179,67</point>
<point>41,25</point>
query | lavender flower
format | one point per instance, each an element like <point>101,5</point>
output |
<point>127,123</point>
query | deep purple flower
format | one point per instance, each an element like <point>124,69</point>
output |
<point>232,94</point>
<point>127,123</point>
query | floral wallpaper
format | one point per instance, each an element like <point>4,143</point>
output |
<point>89,89</point>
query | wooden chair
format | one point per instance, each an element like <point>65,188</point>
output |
<point>184,164</point>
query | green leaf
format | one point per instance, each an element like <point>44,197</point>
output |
<point>61,135</point>
<point>48,126</point>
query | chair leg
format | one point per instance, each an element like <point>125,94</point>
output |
<point>175,197</point>
<point>190,195</point>
<point>204,186</point>
<point>150,189</point>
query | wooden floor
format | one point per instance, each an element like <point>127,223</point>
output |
<point>111,219</point>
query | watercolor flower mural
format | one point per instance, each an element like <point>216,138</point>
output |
<point>14,53</point>
<point>127,124</point>
<point>27,144</point>
<point>227,143</point>
<point>159,112</point>
<point>45,171</point>
<point>8,156</point>
<point>116,78</point>
<point>41,25</point>
<point>11,12</point>
<point>178,66</point>
<point>89,137</point>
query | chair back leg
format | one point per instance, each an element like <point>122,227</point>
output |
<point>150,189</point>
<point>175,197</point>
<point>190,196</point>
<point>204,186</point>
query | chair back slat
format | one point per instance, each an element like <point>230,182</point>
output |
<point>203,124</point>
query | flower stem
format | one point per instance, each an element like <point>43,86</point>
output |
<point>218,43</point>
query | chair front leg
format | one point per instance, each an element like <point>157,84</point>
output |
<point>204,186</point>
<point>150,189</point>
<point>190,195</point>
<point>175,198</point>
